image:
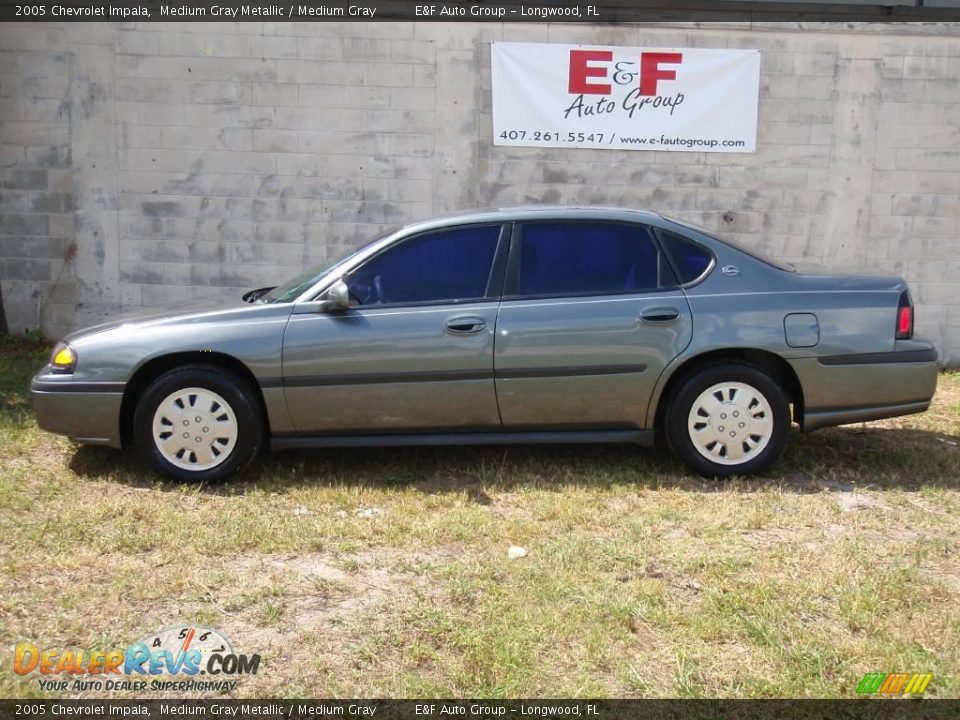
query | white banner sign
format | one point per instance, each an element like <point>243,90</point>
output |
<point>633,98</point>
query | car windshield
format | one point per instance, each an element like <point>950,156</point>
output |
<point>786,267</point>
<point>292,289</point>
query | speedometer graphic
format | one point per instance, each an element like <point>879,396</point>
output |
<point>184,647</point>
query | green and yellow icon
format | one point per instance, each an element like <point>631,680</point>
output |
<point>894,683</point>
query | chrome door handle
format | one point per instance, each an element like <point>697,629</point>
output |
<point>466,325</point>
<point>660,315</point>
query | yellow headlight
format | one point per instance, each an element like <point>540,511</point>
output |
<point>63,358</point>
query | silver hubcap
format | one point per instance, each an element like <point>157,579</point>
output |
<point>194,429</point>
<point>730,423</point>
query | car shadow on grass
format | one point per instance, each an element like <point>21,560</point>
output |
<point>834,460</point>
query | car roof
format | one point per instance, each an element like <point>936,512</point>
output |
<point>522,212</point>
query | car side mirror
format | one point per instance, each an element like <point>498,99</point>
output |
<point>337,298</point>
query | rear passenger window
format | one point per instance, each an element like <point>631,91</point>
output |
<point>690,260</point>
<point>590,258</point>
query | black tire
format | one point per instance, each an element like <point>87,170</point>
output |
<point>247,439</point>
<point>678,412</point>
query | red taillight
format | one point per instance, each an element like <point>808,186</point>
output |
<point>905,317</point>
<point>905,322</point>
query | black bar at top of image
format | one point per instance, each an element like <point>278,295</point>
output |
<point>862,709</point>
<point>601,11</point>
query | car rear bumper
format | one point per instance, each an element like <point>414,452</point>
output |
<point>813,420</point>
<point>842,389</point>
<point>86,412</point>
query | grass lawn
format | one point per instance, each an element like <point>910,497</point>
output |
<point>372,573</point>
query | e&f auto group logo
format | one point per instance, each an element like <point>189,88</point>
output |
<point>184,658</point>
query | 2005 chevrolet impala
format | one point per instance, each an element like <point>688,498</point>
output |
<point>526,325</point>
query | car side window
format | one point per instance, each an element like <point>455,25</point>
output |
<point>583,258</point>
<point>444,266</point>
<point>690,260</point>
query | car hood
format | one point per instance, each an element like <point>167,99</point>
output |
<point>179,310</point>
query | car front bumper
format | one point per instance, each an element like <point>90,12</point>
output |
<point>86,412</point>
<point>839,390</point>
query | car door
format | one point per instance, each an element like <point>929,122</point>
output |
<point>414,352</point>
<point>591,315</point>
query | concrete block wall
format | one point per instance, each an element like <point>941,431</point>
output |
<point>179,157</point>
<point>36,182</point>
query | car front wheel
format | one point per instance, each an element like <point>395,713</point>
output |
<point>729,419</point>
<point>198,423</point>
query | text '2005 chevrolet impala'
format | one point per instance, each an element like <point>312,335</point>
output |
<point>526,325</point>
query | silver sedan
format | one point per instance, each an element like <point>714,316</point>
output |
<point>526,325</point>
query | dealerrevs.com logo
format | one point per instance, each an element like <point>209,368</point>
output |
<point>180,658</point>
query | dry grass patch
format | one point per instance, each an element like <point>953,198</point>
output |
<point>385,572</point>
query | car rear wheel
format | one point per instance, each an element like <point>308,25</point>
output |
<point>729,419</point>
<point>198,423</point>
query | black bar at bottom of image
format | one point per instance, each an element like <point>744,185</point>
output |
<point>865,709</point>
